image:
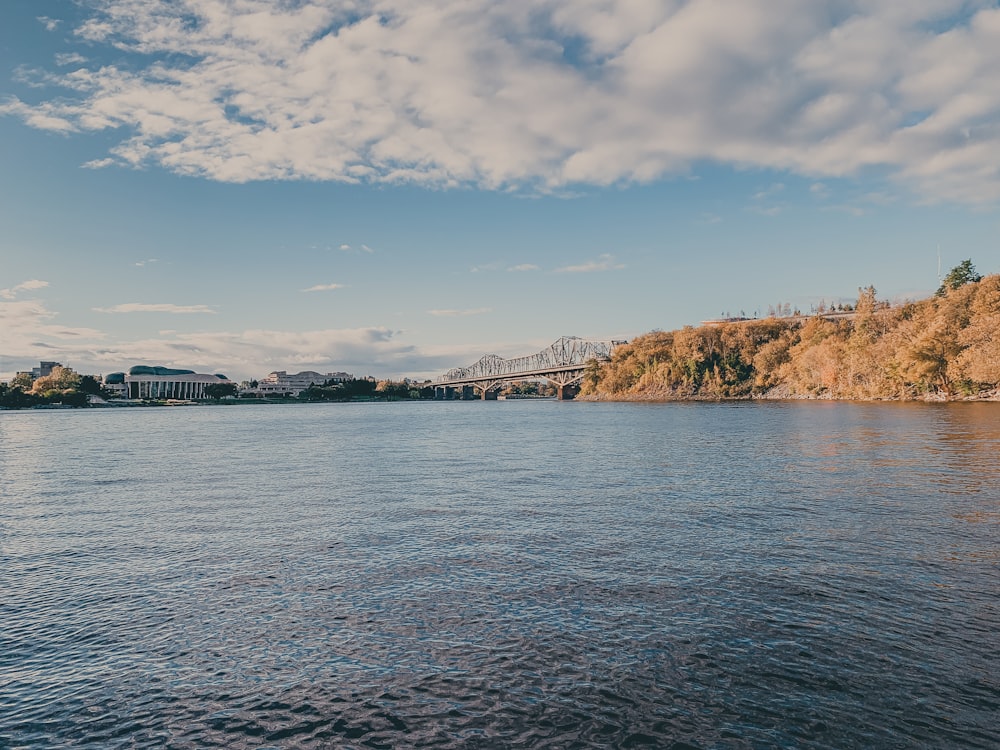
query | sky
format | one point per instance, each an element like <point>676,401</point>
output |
<point>398,187</point>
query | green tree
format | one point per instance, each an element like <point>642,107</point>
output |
<point>71,398</point>
<point>962,274</point>
<point>359,388</point>
<point>14,397</point>
<point>220,390</point>
<point>89,384</point>
<point>591,376</point>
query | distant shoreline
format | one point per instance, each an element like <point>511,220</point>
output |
<point>648,398</point>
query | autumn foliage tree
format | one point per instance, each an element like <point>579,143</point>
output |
<point>60,380</point>
<point>945,346</point>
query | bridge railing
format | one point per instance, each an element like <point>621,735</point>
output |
<point>566,352</point>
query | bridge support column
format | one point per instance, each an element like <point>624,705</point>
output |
<point>567,392</point>
<point>488,390</point>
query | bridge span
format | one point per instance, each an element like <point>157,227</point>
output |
<point>562,363</point>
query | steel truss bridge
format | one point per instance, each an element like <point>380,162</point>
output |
<point>562,363</point>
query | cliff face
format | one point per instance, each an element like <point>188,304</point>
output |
<point>939,348</point>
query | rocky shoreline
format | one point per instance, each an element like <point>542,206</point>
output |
<point>781,393</point>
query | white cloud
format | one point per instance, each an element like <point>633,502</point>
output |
<point>765,201</point>
<point>459,313</point>
<point>70,58</point>
<point>255,352</point>
<point>524,267</point>
<point>50,24</point>
<point>363,248</point>
<point>486,267</point>
<point>24,286</point>
<point>605,262</point>
<point>543,95</point>
<point>769,192</point>
<point>99,163</point>
<point>31,332</point>
<point>133,307</point>
<point>324,288</point>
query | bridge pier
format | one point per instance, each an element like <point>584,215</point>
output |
<point>488,389</point>
<point>567,392</point>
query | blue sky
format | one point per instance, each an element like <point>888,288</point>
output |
<point>397,187</point>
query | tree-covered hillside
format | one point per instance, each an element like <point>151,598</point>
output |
<point>943,347</point>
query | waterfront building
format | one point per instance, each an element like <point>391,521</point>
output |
<point>280,383</point>
<point>165,383</point>
<point>43,370</point>
<point>114,384</point>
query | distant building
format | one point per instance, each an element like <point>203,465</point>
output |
<point>163,382</point>
<point>43,370</point>
<point>114,384</point>
<point>280,383</point>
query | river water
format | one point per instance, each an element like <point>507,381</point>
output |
<point>501,574</point>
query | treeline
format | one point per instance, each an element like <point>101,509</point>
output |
<point>945,347</point>
<point>365,389</point>
<point>62,386</point>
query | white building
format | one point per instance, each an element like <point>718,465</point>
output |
<point>164,383</point>
<point>115,391</point>
<point>282,384</point>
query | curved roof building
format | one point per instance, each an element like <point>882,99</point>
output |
<point>143,381</point>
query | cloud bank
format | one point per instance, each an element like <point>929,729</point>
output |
<point>25,286</point>
<point>133,307</point>
<point>29,332</point>
<point>540,94</point>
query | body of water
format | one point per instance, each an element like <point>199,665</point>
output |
<point>501,574</point>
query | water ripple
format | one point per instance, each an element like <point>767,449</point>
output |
<point>501,575</point>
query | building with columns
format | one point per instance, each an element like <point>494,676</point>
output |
<point>166,383</point>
